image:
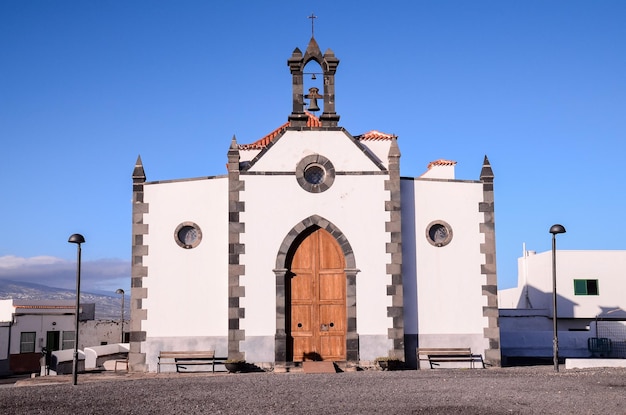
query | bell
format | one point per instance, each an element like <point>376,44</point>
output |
<point>313,105</point>
<point>313,96</point>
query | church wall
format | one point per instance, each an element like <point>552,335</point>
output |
<point>227,291</point>
<point>187,289</point>
<point>274,205</point>
<point>334,145</point>
<point>440,281</point>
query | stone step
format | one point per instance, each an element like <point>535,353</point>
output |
<point>318,367</point>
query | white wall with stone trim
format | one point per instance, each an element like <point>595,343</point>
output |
<point>445,281</point>
<point>355,204</point>
<point>187,288</point>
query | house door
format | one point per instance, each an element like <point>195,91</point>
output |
<point>52,340</point>
<point>317,317</point>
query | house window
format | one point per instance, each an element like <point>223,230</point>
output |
<point>27,342</point>
<point>68,340</point>
<point>585,287</point>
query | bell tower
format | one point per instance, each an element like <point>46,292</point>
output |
<point>328,64</point>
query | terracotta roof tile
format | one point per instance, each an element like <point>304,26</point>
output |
<point>441,162</point>
<point>263,142</point>
<point>375,136</point>
<point>313,121</point>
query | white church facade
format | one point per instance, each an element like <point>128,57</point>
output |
<point>313,247</point>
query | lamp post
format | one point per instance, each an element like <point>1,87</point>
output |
<point>76,239</point>
<point>554,230</point>
<point>120,291</point>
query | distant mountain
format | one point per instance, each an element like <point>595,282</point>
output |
<point>108,307</point>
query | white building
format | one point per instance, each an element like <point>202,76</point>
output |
<point>312,246</point>
<point>590,304</point>
<point>29,326</point>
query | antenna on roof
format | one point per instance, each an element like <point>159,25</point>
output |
<point>312,17</point>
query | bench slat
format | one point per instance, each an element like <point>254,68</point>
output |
<point>183,354</point>
<point>436,355</point>
<point>182,358</point>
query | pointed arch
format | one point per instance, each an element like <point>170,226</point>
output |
<point>283,258</point>
<point>314,220</point>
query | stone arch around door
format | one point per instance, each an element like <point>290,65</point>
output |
<point>282,260</point>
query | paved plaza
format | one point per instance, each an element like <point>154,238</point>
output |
<point>525,390</point>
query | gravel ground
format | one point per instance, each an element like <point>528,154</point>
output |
<point>527,390</point>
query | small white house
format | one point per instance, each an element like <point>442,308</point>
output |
<point>29,327</point>
<point>591,303</point>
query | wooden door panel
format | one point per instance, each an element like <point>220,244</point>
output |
<point>333,347</point>
<point>301,331</point>
<point>333,317</point>
<point>330,254</point>
<point>318,299</point>
<point>301,319</point>
<point>303,348</point>
<point>303,258</point>
<point>302,286</point>
<point>332,287</point>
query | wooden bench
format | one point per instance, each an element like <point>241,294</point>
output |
<point>185,358</point>
<point>438,355</point>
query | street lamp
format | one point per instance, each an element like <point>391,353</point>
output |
<point>76,239</point>
<point>120,291</point>
<point>554,230</point>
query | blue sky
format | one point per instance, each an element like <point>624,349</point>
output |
<point>86,86</point>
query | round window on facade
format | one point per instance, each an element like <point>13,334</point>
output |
<point>315,173</point>
<point>439,233</point>
<point>188,235</point>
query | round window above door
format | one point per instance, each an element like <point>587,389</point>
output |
<point>315,173</point>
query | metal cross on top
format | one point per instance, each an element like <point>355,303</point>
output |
<point>312,17</point>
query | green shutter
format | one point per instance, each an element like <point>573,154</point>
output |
<point>580,287</point>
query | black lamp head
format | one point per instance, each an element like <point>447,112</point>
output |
<point>555,229</point>
<point>77,238</point>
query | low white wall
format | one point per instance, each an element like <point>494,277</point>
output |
<point>93,353</point>
<point>593,363</point>
<point>62,361</point>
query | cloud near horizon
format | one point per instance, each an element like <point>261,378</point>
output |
<point>96,275</point>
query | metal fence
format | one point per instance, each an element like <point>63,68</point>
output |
<point>616,332</point>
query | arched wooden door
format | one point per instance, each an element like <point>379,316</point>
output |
<point>317,306</point>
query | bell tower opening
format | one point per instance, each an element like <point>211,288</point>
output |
<point>327,63</point>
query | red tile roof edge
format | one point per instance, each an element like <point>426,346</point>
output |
<point>313,121</point>
<point>375,135</point>
<point>441,162</point>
